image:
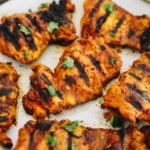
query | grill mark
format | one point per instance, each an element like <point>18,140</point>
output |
<point>135,76</point>
<point>34,22</point>
<point>96,63</point>
<point>3,119</point>
<point>86,137</point>
<point>148,55</point>
<point>31,141</point>
<point>142,67</point>
<point>69,141</point>
<point>138,91</point>
<point>43,92</point>
<point>130,33</point>
<point>145,39</point>
<point>82,72</point>
<point>95,8</point>
<point>5,92</point>
<point>101,20</point>
<point>69,80</point>
<point>55,12</point>
<point>122,133</point>
<point>30,42</point>
<point>119,23</point>
<point>44,126</point>
<point>132,99</point>
<point>12,37</point>
<point>3,75</point>
<point>102,47</point>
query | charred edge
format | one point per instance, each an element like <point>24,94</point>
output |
<point>31,141</point>
<point>97,64</point>
<point>55,12</point>
<point>44,126</point>
<point>122,133</point>
<point>101,20</point>
<point>145,39</point>
<point>95,8</point>
<point>3,119</point>
<point>70,81</point>
<point>130,33</point>
<point>34,22</point>
<point>135,76</point>
<point>119,23</point>
<point>83,74</point>
<point>12,37</point>
<point>135,89</point>
<point>132,99</point>
<point>5,92</point>
<point>102,47</point>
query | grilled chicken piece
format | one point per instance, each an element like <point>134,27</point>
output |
<point>119,27</point>
<point>58,136</point>
<point>130,96</point>
<point>25,36</point>
<point>8,100</point>
<point>83,69</point>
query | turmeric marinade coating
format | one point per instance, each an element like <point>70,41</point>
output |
<point>130,96</point>
<point>118,27</point>
<point>25,36</point>
<point>85,66</point>
<point>8,100</point>
<point>67,135</point>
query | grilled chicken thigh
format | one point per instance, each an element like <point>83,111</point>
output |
<point>83,69</point>
<point>130,96</point>
<point>67,135</point>
<point>25,36</point>
<point>8,100</point>
<point>118,27</point>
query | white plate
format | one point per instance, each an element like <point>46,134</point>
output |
<point>90,112</point>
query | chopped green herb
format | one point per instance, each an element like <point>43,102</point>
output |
<point>101,100</point>
<point>43,5</point>
<point>25,30</point>
<point>71,126</point>
<point>26,55</point>
<point>52,140</point>
<point>116,121</point>
<point>109,7</point>
<point>30,10</point>
<point>52,26</point>
<point>73,146</point>
<point>68,63</point>
<point>112,34</point>
<point>9,63</point>
<point>112,61</point>
<point>51,90</point>
<point>144,95</point>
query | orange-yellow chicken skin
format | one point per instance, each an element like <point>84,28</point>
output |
<point>25,36</point>
<point>8,100</point>
<point>69,135</point>
<point>130,96</point>
<point>118,27</point>
<point>84,67</point>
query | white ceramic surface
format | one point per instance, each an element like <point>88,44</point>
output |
<point>90,112</point>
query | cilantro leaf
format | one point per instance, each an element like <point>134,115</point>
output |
<point>52,26</point>
<point>26,55</point>
<point>68,63</point>
<point>112,61</point>
<point>43,5</point>
<point>71,126</point>
<point>24,29</point>
<point>52,140</point>
<point>73,146</point>
<point>109,7</point>
<point>100,100</point>
<point>112,34</point>
<point>51,90</point>
<point>116,121</point>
